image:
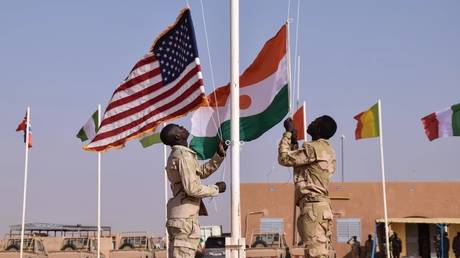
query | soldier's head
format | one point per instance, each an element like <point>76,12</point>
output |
<point>369,236</point>
<point>395,234</point>
<point>173,134</point>
<point>323,127</point>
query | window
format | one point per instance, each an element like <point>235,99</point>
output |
<point>271,225</point>
<point>346,228</point>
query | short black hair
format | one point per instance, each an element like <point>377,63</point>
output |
<point>327,126</point>
<point>166,134</point>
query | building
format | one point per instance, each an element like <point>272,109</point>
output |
<point>416,210</point>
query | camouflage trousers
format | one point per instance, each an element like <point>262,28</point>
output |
<point>184,236</point>
<point>314,226</point>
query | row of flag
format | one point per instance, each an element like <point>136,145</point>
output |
<point>167,84</point>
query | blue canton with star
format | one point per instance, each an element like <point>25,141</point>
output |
<point>176,49</point>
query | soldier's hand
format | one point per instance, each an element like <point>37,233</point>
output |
<point>222,186</point>
<point>289,125</point>
<point>222,148</point>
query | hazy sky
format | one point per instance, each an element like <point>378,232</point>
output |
<point>64,57</point>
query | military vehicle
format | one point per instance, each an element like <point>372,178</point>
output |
<point>133,245</point>
<point>268,245</point>
<point>32,247</point>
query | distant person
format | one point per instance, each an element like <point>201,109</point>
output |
<point>456,245</point>
<point>396,245</point>
<point>444,253</point>
<point>314,164</point>
<point>368,246</point>
<point>185,174</point>
<point>355,247</point>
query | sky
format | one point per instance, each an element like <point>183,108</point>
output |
<point>63,58</point>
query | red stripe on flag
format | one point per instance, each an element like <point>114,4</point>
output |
<point>188,92</point>
<point>138,79</point>
<point>431,125</point>
<point>299,123</point>
<point>135,96</point>
<point>359,126</point>
<point>150,102</point>
<point>142,62</point>
<point>154,124</point>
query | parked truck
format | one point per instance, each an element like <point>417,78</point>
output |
<point>268,245</point>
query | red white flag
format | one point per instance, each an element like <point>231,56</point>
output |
<point>164,85</point>
<point>299,122</point>
<point>23,127</point>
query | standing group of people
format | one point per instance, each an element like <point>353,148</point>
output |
<point>313,163</point>
<point>395,246</point>
<point>444,252</point>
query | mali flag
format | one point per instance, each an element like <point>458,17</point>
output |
<point>368,123</point>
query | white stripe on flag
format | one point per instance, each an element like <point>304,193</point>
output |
<point>154,118</point>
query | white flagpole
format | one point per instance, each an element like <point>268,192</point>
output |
<point>288,42</point>
<point>24,195</point>
<point>305,121</point>
<point>165,160</point>
<point>235,128</point>
<point>382,164</point>
<point>298,81</point>
<point>99,190</point>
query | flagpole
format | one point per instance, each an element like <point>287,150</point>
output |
<point>99,189</point>
<point>342,138</point>
<point>24,195</point>
<point>288,42</point>
<point>382,165</point>
<point>235,130</point>
<point>165,160</point>
<point>298,81</point>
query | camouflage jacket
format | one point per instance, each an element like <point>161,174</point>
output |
<point>185,174</point>
<point>313,164</point>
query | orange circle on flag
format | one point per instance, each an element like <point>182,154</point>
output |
<point>245,101</point>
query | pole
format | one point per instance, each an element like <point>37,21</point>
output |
<point>298,81</point>
<point>99,189</point>
<point>288,42</point>
<point>342,138</point>
<point>165,160</point>
<point>235,127</point>
<point>382,165</point>
<point>24,195</point>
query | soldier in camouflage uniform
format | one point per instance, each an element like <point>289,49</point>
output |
<point>313,163</point>
<point>185,174</point>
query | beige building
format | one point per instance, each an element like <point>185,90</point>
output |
<point>417,212</point>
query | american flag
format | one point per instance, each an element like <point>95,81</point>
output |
<point>165,84</point>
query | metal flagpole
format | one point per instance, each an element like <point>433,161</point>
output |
<point>288,42</point>
<point>235,129</point>
<point>165,160</point>
<point>24,195</point>
<point>298,82</point>
<point>342,138</point>
<point>305,121</point>
<point>382,164</point>
<point>98,189</point>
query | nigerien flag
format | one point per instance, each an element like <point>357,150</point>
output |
<point>264,100</point>
<point>368,123</point>
<point>443,123</point>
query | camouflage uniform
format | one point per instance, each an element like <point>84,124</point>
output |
<point>313,164</point>
<point>184,174</point>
